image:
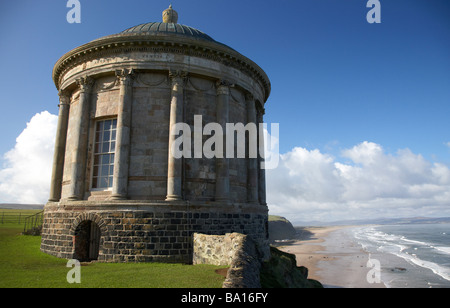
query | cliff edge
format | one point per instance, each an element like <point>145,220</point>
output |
<point>280,229</point>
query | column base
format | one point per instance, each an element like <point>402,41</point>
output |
<point>174,198</point>
<point>222,200</point>
<point>118,197</point>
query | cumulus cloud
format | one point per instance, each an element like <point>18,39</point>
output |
<point>26,173</point>
<point>363,182</point>
<point>369,183</point>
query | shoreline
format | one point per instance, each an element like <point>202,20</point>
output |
<point>332,257</point>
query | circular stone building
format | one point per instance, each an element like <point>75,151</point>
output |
<point>117,192</point>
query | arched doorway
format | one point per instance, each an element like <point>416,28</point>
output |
<point>87,241</point>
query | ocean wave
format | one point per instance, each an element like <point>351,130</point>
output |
<point>446,250</point>
<point>441,271</point>
<point>401,246</point>
<point>415,242</point>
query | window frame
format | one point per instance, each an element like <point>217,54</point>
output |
<point>95,176</point>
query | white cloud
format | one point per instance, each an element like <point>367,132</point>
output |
<point>310,185</point>
<point>26,174</point>
<point>307,184</point>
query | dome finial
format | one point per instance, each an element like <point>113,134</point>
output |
<point>170,15</point>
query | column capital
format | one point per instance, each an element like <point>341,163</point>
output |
<point>261,111</point>
<point>223,87</point>
<point>249,97</point>
<point>178,78</point>
<point>64,97</point>
<point>125,76</point>
<point>85,83</point>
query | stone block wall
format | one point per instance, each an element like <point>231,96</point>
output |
<point>236,250</point>
<point>147,235</point>
<point>216,249</point>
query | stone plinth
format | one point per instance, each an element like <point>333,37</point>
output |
<point>144,231</point>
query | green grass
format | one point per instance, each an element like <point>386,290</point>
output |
<point>23,265</point>
<point>277,218</point>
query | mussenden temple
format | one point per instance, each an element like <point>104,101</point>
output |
<point>117,194</point>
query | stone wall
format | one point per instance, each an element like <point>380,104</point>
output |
<point>143,232</point>
<point>236,250</point>
<point>216,249</point>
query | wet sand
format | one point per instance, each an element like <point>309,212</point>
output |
<point>332,257</point>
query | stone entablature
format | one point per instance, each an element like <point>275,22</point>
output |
<point>161,53</point>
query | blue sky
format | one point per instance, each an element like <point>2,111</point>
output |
<point>337,81</point>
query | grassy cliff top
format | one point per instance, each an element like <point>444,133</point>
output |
<point>277,218</point>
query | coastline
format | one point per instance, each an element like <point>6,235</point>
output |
<point>332,257</point>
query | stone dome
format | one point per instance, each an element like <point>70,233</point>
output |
<point>169,26</point>
<point>160,35</point>
<point>163,28</point>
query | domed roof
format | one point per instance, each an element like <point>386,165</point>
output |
<point>169,27</point>
<point>166,33</point>
<point>163,28</point>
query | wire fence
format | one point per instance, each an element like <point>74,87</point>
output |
<point>11,217</point>
<point>33,224</point>
<point>30,219</point>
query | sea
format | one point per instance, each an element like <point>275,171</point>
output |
<point>409,255</point>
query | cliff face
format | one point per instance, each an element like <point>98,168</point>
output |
<point>246,268</point>
<point>281,271</point>
<point>280,229</point>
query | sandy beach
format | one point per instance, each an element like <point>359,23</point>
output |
<point>332,257</point>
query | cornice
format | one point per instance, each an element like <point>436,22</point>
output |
<point>117,44</point>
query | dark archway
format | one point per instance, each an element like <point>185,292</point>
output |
<point>87,241</point>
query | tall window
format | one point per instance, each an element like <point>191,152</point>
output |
<point>105,144</point>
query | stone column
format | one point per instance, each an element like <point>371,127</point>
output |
<point>222,168</point>
<point>80,138</point>
<point>252,163</point>
<point>175,165</point>
<point>262,172</point>
<point>122,151</point>
<point>60,146</point>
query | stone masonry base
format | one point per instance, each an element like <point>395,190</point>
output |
<point>134,231</point>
